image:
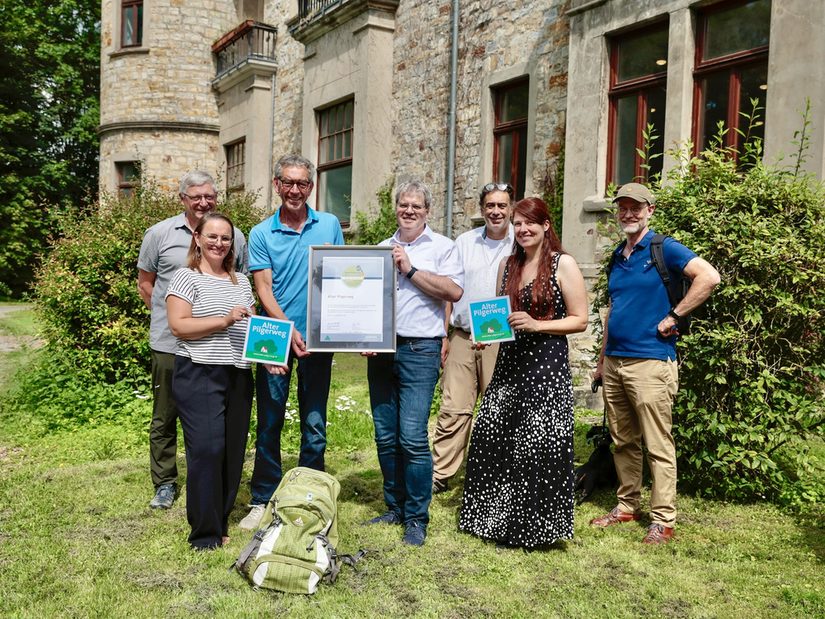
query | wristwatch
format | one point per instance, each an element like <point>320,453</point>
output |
<point>411,272</point>
<point>672,313</point>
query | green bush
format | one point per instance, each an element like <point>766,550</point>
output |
<point>86,290</point>
<point>752,369</point>
<point>52,397</point>
<point>383,224</point>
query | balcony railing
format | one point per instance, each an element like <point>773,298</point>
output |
<point>307,8</point>
<point>250,41</point>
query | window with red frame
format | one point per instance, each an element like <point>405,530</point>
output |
<point>510,135</point>
<point>335,126</point>
<point>638,72</point>
<point>731,71</point>
<point>131,23</point>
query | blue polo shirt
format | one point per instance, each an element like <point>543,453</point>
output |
<point>639,301</point>
<point>286,252</point>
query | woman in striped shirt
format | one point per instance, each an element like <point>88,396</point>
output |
<point>207,306</point>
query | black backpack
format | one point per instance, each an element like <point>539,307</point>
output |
<point>676,287</point>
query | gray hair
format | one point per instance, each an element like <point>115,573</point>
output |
<point>415,186</point>
<point>196,178</point>
<point>295,161</point>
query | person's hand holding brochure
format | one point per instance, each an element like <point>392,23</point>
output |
<point>268,340</point>
<point>488,321</point>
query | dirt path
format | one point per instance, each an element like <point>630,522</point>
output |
<point>5,310</point>
<point>10,343</point>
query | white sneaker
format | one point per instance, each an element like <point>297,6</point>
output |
<point>251,520</point>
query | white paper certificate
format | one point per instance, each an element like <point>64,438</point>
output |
<point>352,299</point>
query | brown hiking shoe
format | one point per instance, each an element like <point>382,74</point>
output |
<point>614,516</point>
<point>658,534</point>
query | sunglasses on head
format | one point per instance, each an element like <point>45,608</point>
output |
<point>497,187</point>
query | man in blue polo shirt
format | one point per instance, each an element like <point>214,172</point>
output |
<point>637,363</point>
<point>279,262</point>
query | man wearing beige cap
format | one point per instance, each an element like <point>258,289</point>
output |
<point>637,363</point>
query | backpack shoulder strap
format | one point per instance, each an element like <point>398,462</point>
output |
<point>657,255</point>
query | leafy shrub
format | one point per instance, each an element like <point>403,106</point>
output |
<point>752,370</point>
<point>383,224</point>
<point>86,290</point>
<point>53,397</point>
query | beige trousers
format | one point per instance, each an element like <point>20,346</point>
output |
<point>638,396</point>
<point>467,373</point>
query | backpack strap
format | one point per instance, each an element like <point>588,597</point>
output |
<point>249,551</point>
<point>336,561</point>
<point>351,560</point>
<point>657,255</point>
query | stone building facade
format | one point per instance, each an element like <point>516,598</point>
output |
<point>364,88</point>
<point>157,105</point>
<point>165,105</point>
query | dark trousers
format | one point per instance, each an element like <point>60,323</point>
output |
<point>214,403</point>
<point>314,375</point>
<point>163,433</point>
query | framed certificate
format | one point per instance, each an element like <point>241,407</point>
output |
<point>268,340</point>
<point>351,299</point>
<point>488,321</point>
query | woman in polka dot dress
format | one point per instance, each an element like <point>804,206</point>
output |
<point>519,484</point>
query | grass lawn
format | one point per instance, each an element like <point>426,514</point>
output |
<point>77,539</point>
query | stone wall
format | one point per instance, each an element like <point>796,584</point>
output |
<point>165,155</point>
<point>421,59</point>
<point>171,81</point>
<point>493,37</point>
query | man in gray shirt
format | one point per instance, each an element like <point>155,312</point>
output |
<point>163,251</point>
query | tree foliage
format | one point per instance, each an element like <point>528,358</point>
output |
<point>383,224</point>
<point>49,111</point>
<point>86,289</point>
<point>752,370</point>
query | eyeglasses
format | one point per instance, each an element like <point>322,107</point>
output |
<point>409,205</point>
<point>217,238</point>
<point>288,183</point>
<point>635,209</point>
<point>497,187</point>
<point>209,197</point>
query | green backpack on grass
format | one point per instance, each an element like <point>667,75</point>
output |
<point>294,547</point>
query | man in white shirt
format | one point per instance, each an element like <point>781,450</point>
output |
<point>402,383</point>
<point>467,370</point>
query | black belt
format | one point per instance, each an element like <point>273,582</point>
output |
<point>403,339</point>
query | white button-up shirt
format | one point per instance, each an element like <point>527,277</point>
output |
<point>418,314</point>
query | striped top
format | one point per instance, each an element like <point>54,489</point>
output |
<point>213,296</point>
